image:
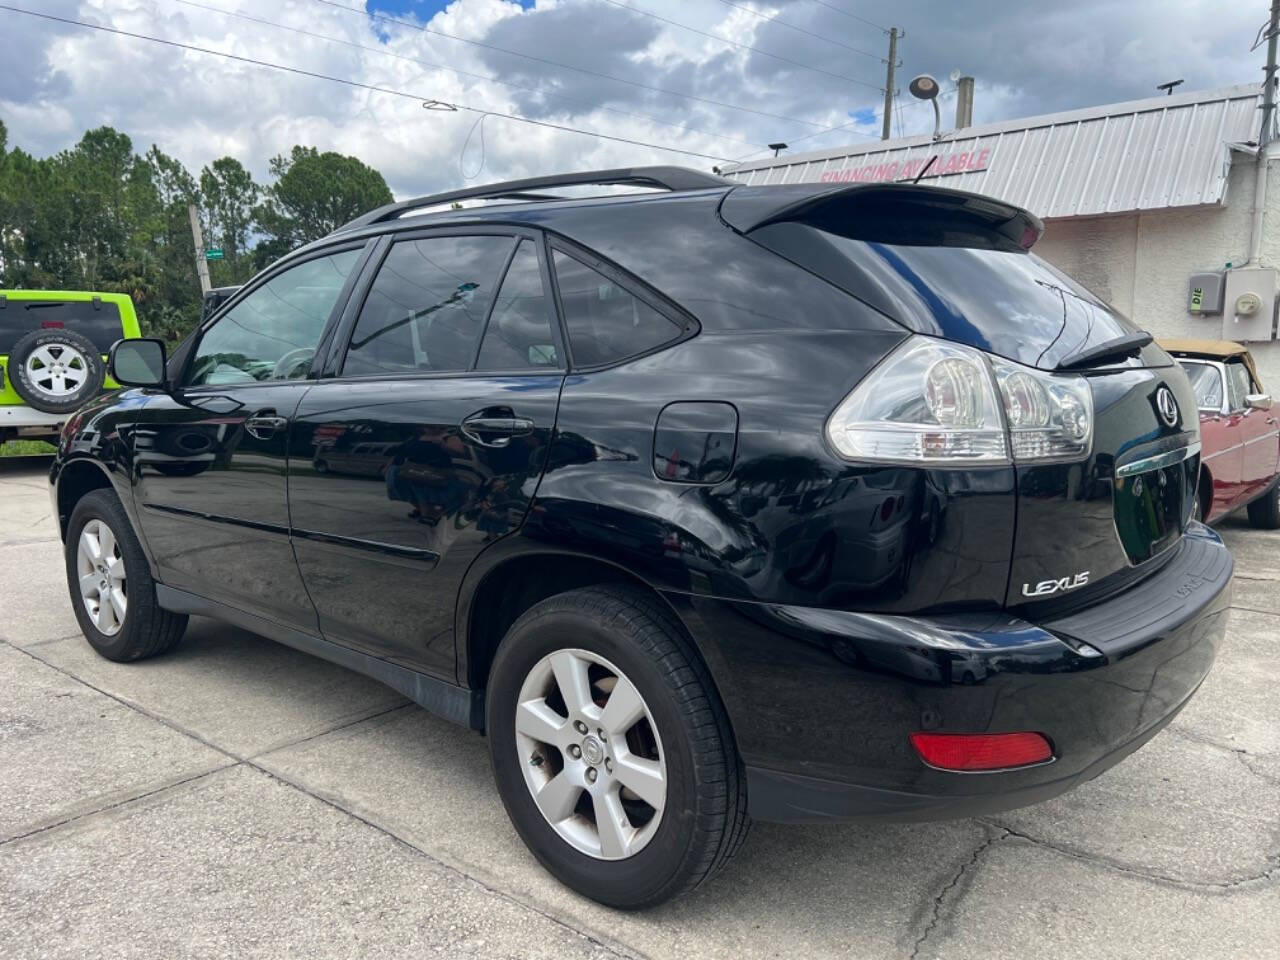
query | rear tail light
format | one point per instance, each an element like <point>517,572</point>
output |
<point>970,752</point>
<point>937,402</point>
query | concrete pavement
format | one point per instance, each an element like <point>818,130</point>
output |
<point>239,798</point>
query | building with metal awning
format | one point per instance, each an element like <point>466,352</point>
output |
<point>1159,206</point>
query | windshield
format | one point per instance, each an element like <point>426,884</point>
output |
<point>1206,383</point>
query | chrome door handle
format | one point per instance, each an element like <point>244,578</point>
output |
<point>264,427</point>
<point>495,431</point>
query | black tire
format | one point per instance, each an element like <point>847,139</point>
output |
<point>38,393</point>
<point>704,820</point>
<point>146,629</point>
<point>1264,513</point>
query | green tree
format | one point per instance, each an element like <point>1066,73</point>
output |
<point>228,195</point>
<point>313,194</point>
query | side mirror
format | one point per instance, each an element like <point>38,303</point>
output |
<point>137,363</point>
<point>1258,401</point>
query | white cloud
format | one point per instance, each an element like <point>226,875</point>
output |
<point>57,81</point>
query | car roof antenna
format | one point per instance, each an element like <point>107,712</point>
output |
<point>925,168</point>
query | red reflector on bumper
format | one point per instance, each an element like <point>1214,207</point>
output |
<point>981,751</point>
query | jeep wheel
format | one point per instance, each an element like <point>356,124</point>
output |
<point>1264,513</point>
<point>611,750</point>
<point>111,587</point>
<point>56,371</point>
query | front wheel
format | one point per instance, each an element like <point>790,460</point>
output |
<point>611,750</point>
<point>111,587</point>
<point>1264,513</point>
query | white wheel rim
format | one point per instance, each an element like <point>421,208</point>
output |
<point>591,754</point>
<point>103,586</point>
<point>57,369</point>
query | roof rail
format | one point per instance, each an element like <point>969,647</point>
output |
<point>667,178</point>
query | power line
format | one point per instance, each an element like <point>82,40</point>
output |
<point>852,16</point>
<point>742,46</point>
<point>464,73</point>
<point>555,63</point>
<point>791,26</point>
<point>426,101</point>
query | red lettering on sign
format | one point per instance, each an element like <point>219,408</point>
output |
<point>963,161</point>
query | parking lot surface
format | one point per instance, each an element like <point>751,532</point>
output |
<point>238,798</point>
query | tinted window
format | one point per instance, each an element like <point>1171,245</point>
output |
<point>100,322</point>
<point>1206,383</point>
<point>1013,304</point>
<point>273,333</point>
<point>427,306</point>
<point>1239,383</point>
<point>519,330</point>
<point>605,322</point>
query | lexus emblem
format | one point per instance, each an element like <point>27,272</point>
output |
<point>1167,406</point>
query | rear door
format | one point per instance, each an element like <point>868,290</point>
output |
<point>210,456</point>
<point>427,441</point>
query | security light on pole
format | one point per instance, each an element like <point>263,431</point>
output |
<point>925,87</point>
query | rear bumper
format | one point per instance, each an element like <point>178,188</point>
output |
<point>823,701</point>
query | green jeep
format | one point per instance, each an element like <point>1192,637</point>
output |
<point>53,347</point>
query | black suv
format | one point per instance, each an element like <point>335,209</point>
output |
<point>705,502</point>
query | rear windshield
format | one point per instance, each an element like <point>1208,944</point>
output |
<point>100,321</point>
<point>1010,303</point>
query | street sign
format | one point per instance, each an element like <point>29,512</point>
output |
<point>214,253</point>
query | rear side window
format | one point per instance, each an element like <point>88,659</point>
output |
<point>427,306</point>
<point>99,322</point>
<point>606,323</point>
<point>518,335</point>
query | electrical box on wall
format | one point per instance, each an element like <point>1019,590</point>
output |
<point>1204,293</point>
<point>1249,298</point>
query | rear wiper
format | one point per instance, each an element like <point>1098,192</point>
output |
<point>1120,348</point>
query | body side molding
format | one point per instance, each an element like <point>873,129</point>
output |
<point>454,703</point>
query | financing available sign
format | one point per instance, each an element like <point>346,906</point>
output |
<point>883,171</point>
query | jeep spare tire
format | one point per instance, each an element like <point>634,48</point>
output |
<point>56,371</point>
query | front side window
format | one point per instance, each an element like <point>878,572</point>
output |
<point>427,306</point>
<point>1206,383</point>
<point>605,322</point>
<point>273,333</point>
<point>1239,383</point>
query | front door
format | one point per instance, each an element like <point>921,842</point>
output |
<point>1258,434</point>
<point>211,455</point>
<point>428,443</point>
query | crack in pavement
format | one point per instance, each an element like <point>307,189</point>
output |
<point>617,950</point>
<point>936,916</point>
<point>1240,753</point>
<point>1100,860</point>
<point>123,802</point>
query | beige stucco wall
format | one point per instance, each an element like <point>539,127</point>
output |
<point>1141,262</point>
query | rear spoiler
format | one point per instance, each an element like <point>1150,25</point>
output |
<point>894,213</point>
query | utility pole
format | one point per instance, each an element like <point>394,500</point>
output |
<point>888,80</point>
<point>964,102</point>
<point>1265,136</point>
<point>202,265</point>
<point>1269,85</point>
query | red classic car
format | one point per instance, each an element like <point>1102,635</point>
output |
<point>1239,431</point>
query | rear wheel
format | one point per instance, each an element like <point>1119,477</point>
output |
<point>611,750</point>
<point>111,587</point>
<point>1264,513</point>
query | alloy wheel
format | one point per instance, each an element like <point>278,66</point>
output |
<point>57,369</point>
<point>103,586</point>
<point>591,754</point>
